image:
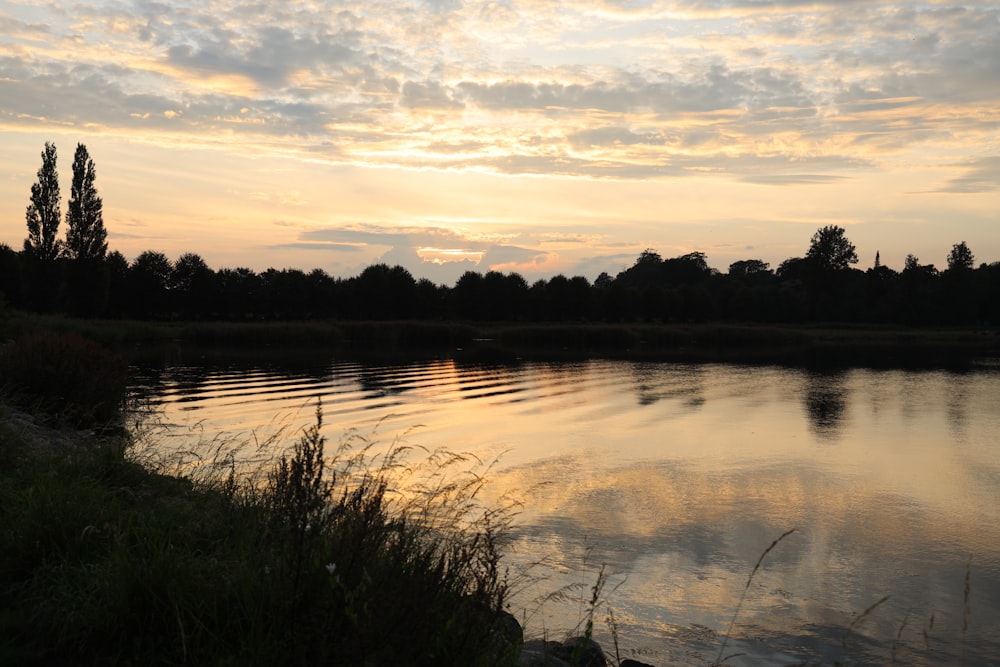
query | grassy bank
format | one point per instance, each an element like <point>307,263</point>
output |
<point>318,561</point>
<point>804,345</point>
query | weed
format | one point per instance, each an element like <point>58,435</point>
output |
<point>318,563</point>
<point>739,605</point>
<point>66,377</point>
<point>858,619</point>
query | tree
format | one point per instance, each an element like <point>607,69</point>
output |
<point>43,214</point>
<point>689,269</point>
<point>149,283</point>
<point>830,250</point>
<point>960,258</point>
<point>793,268</point>
<point>86,237</point>
<point>646,270</point>
<point>746,268</point>
<point>193,285</point>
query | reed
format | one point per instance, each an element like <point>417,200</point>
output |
<point>743,594</point>
<point>328,560</point>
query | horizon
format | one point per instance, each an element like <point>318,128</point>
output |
<point>517,137</point>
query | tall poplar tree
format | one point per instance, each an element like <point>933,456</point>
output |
<point>43,213</point>
<point>86,237</point>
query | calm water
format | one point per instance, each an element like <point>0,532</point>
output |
<point>677,478</point>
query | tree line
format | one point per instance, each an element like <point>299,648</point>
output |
<point>79,277</point>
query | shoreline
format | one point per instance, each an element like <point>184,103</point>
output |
<point>825,345</point>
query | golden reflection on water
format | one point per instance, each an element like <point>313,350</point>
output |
<point>678,476</point>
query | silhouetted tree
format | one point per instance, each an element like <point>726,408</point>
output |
<point>43,214</point>
<point>506,295</point>
<point>793,268</point>
<point>86,238</point>
<point>149,284</point>
<point>989,293</point>
<point>192,286</point>
<point>468,297</point>
<point>323,294</point>
<point>750,269</point>
<point>432,300</point>
<point>959,285</point>
<point>912,266</point>
<point>578,298</point>
<point>11,279</point>
<point>919,292</point>
<point>118,290</point>
<point>879,281</point>
<point>830,250</point>
<point>646,271</point>
<point>239,292</point>
<point>603,281</point>
<point>386,292</point>
<point>829,257</point>
<point>960,258</point>
<point>689,269</point>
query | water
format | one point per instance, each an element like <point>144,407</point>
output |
<point>676,478</point>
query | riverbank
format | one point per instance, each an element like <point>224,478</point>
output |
<point>314,564</point>
<point>799,345</point>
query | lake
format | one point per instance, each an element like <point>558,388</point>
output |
<point>675,478</point>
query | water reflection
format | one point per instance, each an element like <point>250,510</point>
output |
<point>958,388</point>
<point>661,382</point>
<point>683,541</point>
<point>677,476</point>
<point>826,403</point>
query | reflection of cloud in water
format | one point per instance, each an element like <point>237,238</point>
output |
<point>683,540</point>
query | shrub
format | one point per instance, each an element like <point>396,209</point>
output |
<point>65,377</point>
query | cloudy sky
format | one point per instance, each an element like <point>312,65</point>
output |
<point>538,136</point>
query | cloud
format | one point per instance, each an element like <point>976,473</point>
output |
<point>600,89</point>
<point>268,56</point>
<point>982,175</point>
<point>611,136</point>
<point>793,179</point>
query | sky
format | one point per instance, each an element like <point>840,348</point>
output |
<point>536,136</point>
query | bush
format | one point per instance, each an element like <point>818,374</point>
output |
<point>64,376</point>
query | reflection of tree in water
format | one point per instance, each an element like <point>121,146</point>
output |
<point>958,404</point>
<point>826,401</point>
<point>655,382</point>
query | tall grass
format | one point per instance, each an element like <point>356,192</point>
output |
<point>65,377</point>
<point>328,560</point>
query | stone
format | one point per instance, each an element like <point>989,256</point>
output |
<point>574,652</point>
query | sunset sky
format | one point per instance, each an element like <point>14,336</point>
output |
<point>535,136</point>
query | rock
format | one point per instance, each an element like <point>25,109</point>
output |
<point>574,652</point>
<point>628,662</point>
<point>587,652</point>
<point>540,653</point>
<point>509,629</point>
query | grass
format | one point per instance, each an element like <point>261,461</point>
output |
<point>324,561</point>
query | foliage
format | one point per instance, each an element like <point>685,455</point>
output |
<point>107,561</point>
<point>65,376</point>
<point>749,268</point>
<point>86,237</point>
<point>830,250</point>
<point>43,213</point>
<point>960,258</point>
<point>819,287</point>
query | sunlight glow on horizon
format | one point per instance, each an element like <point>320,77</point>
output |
<point>240,131</point>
